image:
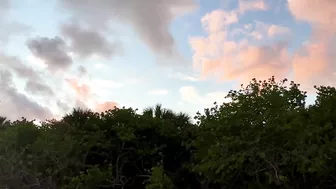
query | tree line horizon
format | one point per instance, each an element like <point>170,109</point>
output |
<point>265,137</point>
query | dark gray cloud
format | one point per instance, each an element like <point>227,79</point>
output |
<point>4,6</point>
<point>87,42</point>
<point>52,50</point>
<point>35,84</point>
<point>37,87</point>
<point>13,63</point>
<point>151,19</point>
<point>82,71</point>
<point>14,104</point>
<point>9,28</point>
<point>12,29</point>
<point>64,106</point>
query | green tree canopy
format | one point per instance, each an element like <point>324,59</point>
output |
<point>266,136</point>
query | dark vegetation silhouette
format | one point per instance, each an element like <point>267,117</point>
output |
<point>266,137</point>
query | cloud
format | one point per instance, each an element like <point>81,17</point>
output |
<point>82,96</point>
<point>82,90</point>
<point>52,51</point>
<point>36,62</point>
<point>34,84</point>
<point>315,61</point>
<point>158,92</point>
<point>99,65</point>
<point>87,42</point>
<point>216,20</point>
<point>150,19</point>
<point>184,77</point>
<point>105,83</point>
<point>275,30</point>
<point>262,30</point>
<point>251,5</point>
<point>315,64</point>
<point>4,6</point>
<point>17,104</point>
<point>257,62</point>
<point>14,64</point>
<point>217,56</point>
<point>105,106</point>
<point>11,29</point>
<point>256,35</point>
<point>322,14</point>
<point>38,88</point>
<point>248,62</point>
<point>82,71</point>
<point>190,95</point>
<point>86,89</point>
<point>85,97</point>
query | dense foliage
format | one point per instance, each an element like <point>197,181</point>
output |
<point>265,137</point>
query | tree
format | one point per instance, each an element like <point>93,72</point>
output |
<point>267,137</point>
<point>4,123</point>
<point>264,137</point>
<point>247,142</point>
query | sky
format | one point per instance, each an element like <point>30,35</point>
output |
<point>184,54</point>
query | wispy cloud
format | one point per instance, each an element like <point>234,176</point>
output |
<point>101,107</point>
<point>18,104</point>
<point>158,92</point>
<point>184,77</point>
<point>189,94</point>
<point>264,30</point>
<point>85,96</point>
<point>105,83</point>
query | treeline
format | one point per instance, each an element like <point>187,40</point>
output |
<point>266,137</point>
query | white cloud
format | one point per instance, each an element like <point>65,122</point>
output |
<point>262,30</point>
<point>184,77</point>
<point>158,92</point>
<point>256,35</point>
<point>99,65</point>
<point>36,62</point>
<point>275,30</point>
<point>190,95</point>
<point>251,5</point>
<point>105,83</point>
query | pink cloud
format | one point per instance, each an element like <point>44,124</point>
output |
<point>84,94</point>
<point>217,56</point>
<point>217,20</point>
<point>315,62</point>
<point>82,91</point>
<point>105,106</point>
<point>256,35</point>
<point>250,5</point>
<point>262,30</point>
<point>275,30</point>
<point>248,62</point>
<point>322,13</point>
